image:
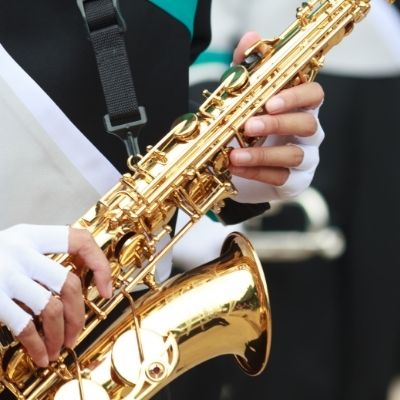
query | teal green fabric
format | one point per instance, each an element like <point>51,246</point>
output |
<point>183,10</point>
<point>214,57</point>
<point>213,217</point>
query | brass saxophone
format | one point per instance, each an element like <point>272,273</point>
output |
<point>131,349</point>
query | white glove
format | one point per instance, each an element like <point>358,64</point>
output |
<point>290,117</point>
<point>26,274</point>
<point>300,177</point>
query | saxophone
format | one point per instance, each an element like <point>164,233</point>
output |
<point>131,349</point>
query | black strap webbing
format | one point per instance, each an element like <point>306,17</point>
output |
<point>106,30</point>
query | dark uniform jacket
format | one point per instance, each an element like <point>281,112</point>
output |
<point>49,40</point>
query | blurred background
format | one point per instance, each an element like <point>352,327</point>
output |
<point>331,258</point>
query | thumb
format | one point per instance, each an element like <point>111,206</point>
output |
<point>247,40</point>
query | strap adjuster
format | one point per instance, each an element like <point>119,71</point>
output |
<point>119,20</point>
<point>133,126</point>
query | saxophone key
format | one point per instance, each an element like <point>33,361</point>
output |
<point>235,79</point>
<point>150,281</point>
<point>251,61</point>
<point>159,157</point>
<point>84,389</point>
<point>263,49</point>
<point>100,314</point>
<point>61,370</point>
<point>186,127</point>
<point>190,173</point>
<point>206,93</point>
<point>220,162</point>
<point>131,250</point>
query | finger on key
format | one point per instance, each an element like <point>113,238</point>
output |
<point>74,309</point>
<point>308,95</point>
<point>34,345</point>
<point>53,327</point>
<point>88,253</point>
<point>295,123</point>
<point>277,156</point>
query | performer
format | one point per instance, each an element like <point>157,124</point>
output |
<point>337,320</point>
<point>56,159</point>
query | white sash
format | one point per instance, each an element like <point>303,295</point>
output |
<point>49,172</point>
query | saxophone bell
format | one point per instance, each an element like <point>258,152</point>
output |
<point>219,308</point>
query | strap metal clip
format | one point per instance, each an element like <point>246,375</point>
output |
<point>128,132</point>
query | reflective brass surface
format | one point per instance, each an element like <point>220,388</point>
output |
<point>219,308</point>
<point>91,390</point>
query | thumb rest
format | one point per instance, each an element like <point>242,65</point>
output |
<point>219,308</point>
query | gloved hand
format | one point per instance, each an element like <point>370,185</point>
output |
<point>284,166</point>
<point>29,282</point>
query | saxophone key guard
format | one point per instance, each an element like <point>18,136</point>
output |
<point>160,357</point>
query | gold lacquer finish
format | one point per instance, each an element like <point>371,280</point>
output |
<point>130,350</point>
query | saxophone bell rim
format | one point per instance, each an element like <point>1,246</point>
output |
<point>254,365</point>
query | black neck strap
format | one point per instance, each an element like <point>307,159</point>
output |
<point>106,28</point>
